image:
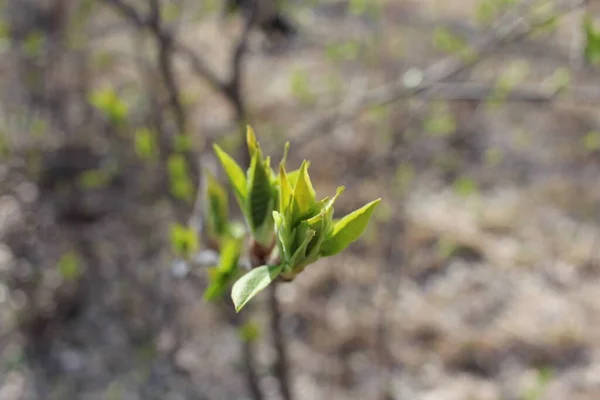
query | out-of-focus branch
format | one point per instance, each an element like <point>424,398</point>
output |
<point>198,65</point>
<point>527,93</point>
<point>281,367</point>
<point>511,28</point>
<point>165,62</point>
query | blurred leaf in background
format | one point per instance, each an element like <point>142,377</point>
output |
<point>184,240</point>
<point>591,51</point>
<point>110,104</point>
<point>69,266</point>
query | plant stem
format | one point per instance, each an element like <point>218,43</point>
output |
<point>248,358</point>
<point>281,365</point>
<point>250,370</point>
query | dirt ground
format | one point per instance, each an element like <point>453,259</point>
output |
<point>479,278</point>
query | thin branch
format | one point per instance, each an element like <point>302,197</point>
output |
<point>234,86</point>
<point>281,367</point>
<point>526,93</point>
<point>248,357</point>
<point>199,67</point>
<point>511,28</point>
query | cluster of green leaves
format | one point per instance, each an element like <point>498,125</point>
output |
<point>223,234</point>
<point>289,228</point>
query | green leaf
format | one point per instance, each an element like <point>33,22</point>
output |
<point>591,141</point>
<point>260,194</point>
<point>69,266</point>
<point>230,255</point>
<point>286,150</point>
<point>179,177</point>
<point>293,175</point>
<point>303,237</point>
<point>348,229</point>
<point>236,176</point>
<point>217,286</point>
<point>592,35</point>
<point>146,146</point>
<point>253,146</point>
<point>249,332</point>
<point>217,211</point>
<point>285,190</point>
<point>322,224</point>
<point>465,186</point>
<point>107,100</point>
<point>249,285</point>
<point>304,199</point>
<point>184,240</point>
<point>226,271</point>
<point>283,236</point>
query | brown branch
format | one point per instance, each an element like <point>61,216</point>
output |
<point>511,28</point>
<point>281,368</point>
<point>234,85</point>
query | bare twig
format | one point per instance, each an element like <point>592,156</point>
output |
<point>234,85</point>
<point>248,357</point>
<point>511,28</point>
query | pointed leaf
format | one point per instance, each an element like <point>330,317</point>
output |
<point>286,150</point>
<point>304,200</point>
<point>236,176</point>
<point>260,195</point>
<point>293,175</point>
<point>348,229</point>
<point>230,255</point>
<point>283,241</point>
<point>249,285</point>
<point>216,288</point>
<point>217,208</point>
<point>303,237</point>
<point>227,270</point>
<point>251,141</point>
<point>285,190</point>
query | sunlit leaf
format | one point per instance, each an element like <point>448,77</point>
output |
<point>304,200</point>
<point>285,191</point>
<point>110,104</point>
<point>252,283</point>
<point>260,194</point>
<point>145,144</point>
<point>217,207</point>
<point>227,270</point>
<point>591,50</point>
<point>348,229</point>
<point>236,176</point>
<point>253,146</point>
<point>184,240</point>
<point>303,237</point>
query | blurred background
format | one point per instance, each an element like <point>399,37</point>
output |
<point>476,121</point>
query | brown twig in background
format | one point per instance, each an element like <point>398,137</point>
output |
<point>232,90</point>
<point>248,357</point>
<point>281,366</point>
<point>511,28</point>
